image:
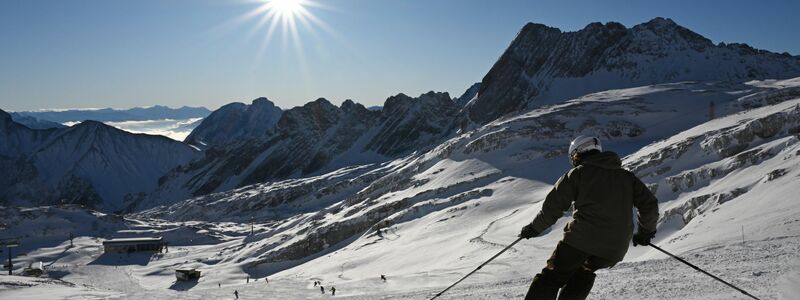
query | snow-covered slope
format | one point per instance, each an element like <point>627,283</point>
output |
<point>236,121</point>
<point>426,219</point>
<point>544,65</point>
<point>89,163</point>
<point>443,211</point>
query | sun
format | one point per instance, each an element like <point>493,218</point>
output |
<point>286,8</point>
<point>291,20</point>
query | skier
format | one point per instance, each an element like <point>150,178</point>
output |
<point>266,279</point>
<point>383,277</point>
<point>603,196</point>
<point>322,289</point>
<point>236,293</point>
<point>333,291</point>
<point>315,283</point>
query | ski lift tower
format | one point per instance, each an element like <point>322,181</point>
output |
<point>9,243</point>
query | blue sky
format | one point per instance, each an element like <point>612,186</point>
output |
<point>77,54</point>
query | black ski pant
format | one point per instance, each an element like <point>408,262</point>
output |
<point>570,270</point>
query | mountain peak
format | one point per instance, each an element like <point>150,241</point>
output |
<point>349,106</point>
<point>661,22</point>
<point>262,102</point>
<point>321,101</point>
<point>667,30</point>
<point>236,121</point>
<point>544,65</point>
<point>597,26</point>
<point>536,28</point>
<point>96,126</point>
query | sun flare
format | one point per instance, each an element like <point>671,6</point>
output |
<point>287,17</point>
<point>286,8</point>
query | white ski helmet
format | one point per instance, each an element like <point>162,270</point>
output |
<point>584,143</point>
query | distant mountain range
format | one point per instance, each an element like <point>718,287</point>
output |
<point>89,163</point>
<point>157,112</point>
<point>34,122</point>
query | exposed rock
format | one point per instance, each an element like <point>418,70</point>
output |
<point>235,122</point>
<point>605,56</point>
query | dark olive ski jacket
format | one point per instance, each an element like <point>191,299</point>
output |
<point>604,195</point>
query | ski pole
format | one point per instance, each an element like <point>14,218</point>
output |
<point>704,272</point>
<point>478,268</point>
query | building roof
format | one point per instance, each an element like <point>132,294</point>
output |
<point>138,240</point>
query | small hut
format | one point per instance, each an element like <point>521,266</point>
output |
<point>128,245</point>
<point>187,274</point>
<point>32,271</point>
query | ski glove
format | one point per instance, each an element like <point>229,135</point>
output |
<point>528,232</point>
<point>642,237</point>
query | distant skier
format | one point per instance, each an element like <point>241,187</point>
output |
<point>266,279</point>
<point>383,277</point>
<point>315,283</point>
<point>236,293</point>
<point>603,195</point>
<point>322,289</point>
<point>333,291</point>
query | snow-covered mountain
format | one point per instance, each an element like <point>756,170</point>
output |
<point>427,218</point>
<point>544,65</point>
<point>445,210</point>
<point>156,112</point>
<point>315,138</point>
<point>236,121</point>
<point>89,163</point>
<point>528,75</point>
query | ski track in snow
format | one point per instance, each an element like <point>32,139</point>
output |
<point>766,268</point>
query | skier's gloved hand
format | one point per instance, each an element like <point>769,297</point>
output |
<point>528,232</point>
<point>642,237</point>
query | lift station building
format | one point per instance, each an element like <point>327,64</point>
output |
<point>129,245</point>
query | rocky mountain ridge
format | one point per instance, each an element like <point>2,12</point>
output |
<point>314,138</point>
<point>544,65</point>
<point>234,122</point>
